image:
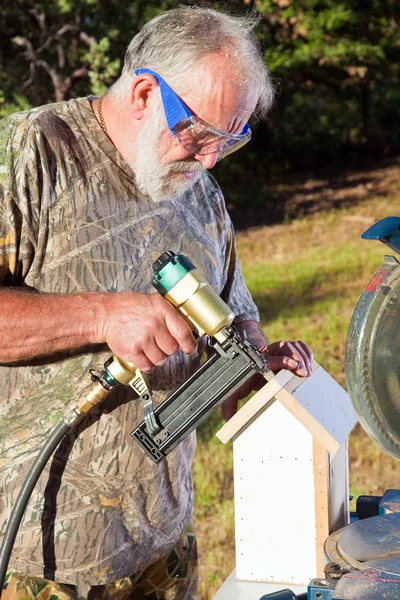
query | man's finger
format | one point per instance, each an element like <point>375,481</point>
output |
<point>276,363</point>
<point>296,352</point>
<point>229,408</point>
<point>142,362</point>
<point>166,342</point>
<point>155,354</point>
<point>309,354</point>
<point>181,331</point>
<point>300,355</point>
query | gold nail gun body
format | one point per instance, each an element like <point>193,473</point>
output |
<point>231,363</point>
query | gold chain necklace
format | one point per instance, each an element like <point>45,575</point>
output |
<point>101,117</point>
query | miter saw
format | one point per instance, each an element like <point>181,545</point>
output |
<point>363,558</point>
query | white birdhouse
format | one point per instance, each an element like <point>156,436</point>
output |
<point>291,481</point>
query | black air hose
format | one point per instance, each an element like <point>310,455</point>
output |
<point>26,491</point>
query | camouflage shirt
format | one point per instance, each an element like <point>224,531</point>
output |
<point>72,220</point>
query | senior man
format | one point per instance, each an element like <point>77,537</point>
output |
<point>92,191</point>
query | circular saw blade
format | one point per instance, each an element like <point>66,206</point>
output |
<point>373,358</point>
<point>372,543</point>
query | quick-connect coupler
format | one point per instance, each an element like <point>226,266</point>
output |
<point>117,372</point>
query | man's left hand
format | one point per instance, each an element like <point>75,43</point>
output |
<point>293,356</point>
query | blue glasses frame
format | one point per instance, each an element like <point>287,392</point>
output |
<point>179,118</point>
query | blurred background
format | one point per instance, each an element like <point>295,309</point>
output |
<point>317,173</point>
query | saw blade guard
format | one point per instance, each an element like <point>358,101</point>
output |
<point>372,360</point>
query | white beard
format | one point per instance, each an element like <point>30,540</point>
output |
<point>158,181</point>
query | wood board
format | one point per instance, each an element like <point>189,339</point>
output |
<point>318,402</point>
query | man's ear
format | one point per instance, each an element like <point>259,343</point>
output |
<point>142,89</point>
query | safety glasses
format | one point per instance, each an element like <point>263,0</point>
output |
<point>196,136</point>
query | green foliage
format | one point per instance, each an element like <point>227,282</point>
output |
<point>103,71</point>
<point>338,55</point>
<point>337,68</point>
<point>65,48</point>
<point>17,103</point>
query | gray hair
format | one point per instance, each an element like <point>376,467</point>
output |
<point>173,41</point>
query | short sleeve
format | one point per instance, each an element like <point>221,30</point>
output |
<point>235,292</point>
<point>16,234</point>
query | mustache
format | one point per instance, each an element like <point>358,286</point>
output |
<point>183,166</point>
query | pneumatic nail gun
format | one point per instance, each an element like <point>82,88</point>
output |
<point>232,361</point>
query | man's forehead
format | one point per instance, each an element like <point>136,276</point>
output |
<point>214,90</point>
<point>214,72</point>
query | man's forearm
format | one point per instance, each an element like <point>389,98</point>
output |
<point>33,324</point>
<point>141,328</point>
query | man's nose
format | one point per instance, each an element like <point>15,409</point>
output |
<point>207,160</point>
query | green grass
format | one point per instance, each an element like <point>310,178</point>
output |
<point>306,277</point>
<point>313,297</point>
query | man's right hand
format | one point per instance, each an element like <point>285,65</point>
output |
<point>144,329</point>
<point>140,328</point>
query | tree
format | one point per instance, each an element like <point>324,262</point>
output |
<point>339,67</point>
<point>54,50</point>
